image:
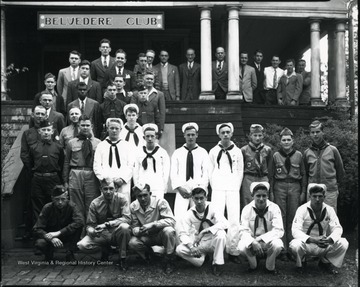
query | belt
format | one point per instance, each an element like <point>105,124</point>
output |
<point>287,180</point>
<point>81,168</point>
<point>255,174</point>
<point>45,173</point>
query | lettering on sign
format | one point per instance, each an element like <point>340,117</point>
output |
<point>100,21</point>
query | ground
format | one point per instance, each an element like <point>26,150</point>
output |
<point>22,267</point>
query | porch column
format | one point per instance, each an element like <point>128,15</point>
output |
<point>205,46</point>
<point>233,54</point>
<point>331,66</point>
<point>315,62</point>
<point>3,57</point>
<point>340,74</point>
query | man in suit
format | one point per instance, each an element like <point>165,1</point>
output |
<point>248,81</point>
<point>290,86</point>
<point>150,55</point>
<point>169,77</point>
<point>305,95</point>
<point>54,117</point>
<point>190,77</point>
<point>88,107</point>
<point>220,74</point>
<point>68,74</point>
<point>93,87</point>
<point>58,101</point>
<point>103,63</point>
<point>119,69</point>
<point>258,93</point>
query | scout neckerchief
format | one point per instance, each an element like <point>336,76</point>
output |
<point>132,131</point>
<point>204,219</point>
<point>86,148</point>
<point>149,155</point>
<point>190,163</point>
<point>116,153</point>
<point>320,146</point>
<point>226,151</point>
<point>316,221</point>
<point>287,158</point>
<point>260,214</point>
<point>258,156</point>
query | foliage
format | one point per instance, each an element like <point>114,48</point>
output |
<point>342,133</point>
<point>5,143</point>
<point>10,72</point>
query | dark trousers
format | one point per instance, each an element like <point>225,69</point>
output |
<point>28,218</point>
<point>69,242</point>
<point>259,96</point>
<point>271,97</point>
<point>220,94</point>
<point>41,187</point>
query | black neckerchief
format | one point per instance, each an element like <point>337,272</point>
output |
<point>190,163</point>
<point>323,144</point>
<point>316,221</point>
<point>149,155</point>
<point>226,151</point>
<point>132,131</point>
<point>260,214</point>
<point>86,148</point>
<point>116,153</point>
<point>287,158</point>
<point>204,219</point>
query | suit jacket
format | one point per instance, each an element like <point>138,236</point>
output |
<point>64,77</point>
<point>248,82</point>
<point>59,102</point>
<point>93,91</point>
<point>56,118</point>
<point>289,90</point>
<point>220,78</point>
<point>190,81</point>
<point>92,110</point>
<point>97,70</point>
<point>152,111</point>
<point>259,76</point>
<point>173,79</point>
<point>306,92</point>
<point>130,81</point>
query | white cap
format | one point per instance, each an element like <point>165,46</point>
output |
<point>219,126</point>
<point>118,120</point>
<point>150,127</point>
<point>323,186</point>
<point>191,124</point>
<point>260,183</point>
<point>131,106</point>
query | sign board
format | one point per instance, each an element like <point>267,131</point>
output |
<point>65,21</point>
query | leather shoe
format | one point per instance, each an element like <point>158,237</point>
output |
<point>123,266</point>
<point>234,259</point>
<point>328,267</point>
<point>70,256</point>
<point>216,269</point>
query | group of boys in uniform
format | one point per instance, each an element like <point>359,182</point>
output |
<point>92,210</point>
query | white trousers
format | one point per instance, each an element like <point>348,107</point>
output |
<point>216,245</point>
<point>230,199</point>
<point>334,253</point>
<point>273,249</point>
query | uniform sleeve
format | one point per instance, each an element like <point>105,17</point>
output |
<point>297,225</point>
<point>240,160</point>
<point>185,227</point>
<point>77,222</point>
<point>162,111</point>
<point>221,223</point>
<point>166,215</point>
<point>24,153</point>
<point>66,169</point>
<point>245,222</point>
<point>334,224</point>
<point>303,181</point>
<point>39,228</point>
<point>339,166</point>
<point>125,213</point>
<point>91,220</point>
<point>97,166</point>
<point>166,169</point>
<point>176,178</point>
<point>135,222</point>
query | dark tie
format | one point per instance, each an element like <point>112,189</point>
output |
<point>82,108</point>
<point>287,158</point>
<point>275,79</point>
<point>260,214</point>
<point>86,148</point>
<point>130,131</point>
<point>204,219</point>
<point>226,151</point>
<point>242,71</point>
<point>116,153</point>
<point>189,164</point>
<point>76,131</point>
<point>316,221</point>
<point>219,67</point>
<point>149,155</point>
<point>105,64</point>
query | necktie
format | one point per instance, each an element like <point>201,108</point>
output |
<point>116,153</point>
<point>242,71</point>
<point>219,67</point>
<point>204,219</point>
<point>275,79</point>
<point>149,155</point>
<point>76,131</point>
<point>287,158</point>
<point>189,164</point>
<point>86,148</point>
<point>316,221</point>
<point>105,64</point>
<point>82,108</point>
<point>226,151</point>
<point>190,66</point>
<point>260,214</point>
<point>130,131</point>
